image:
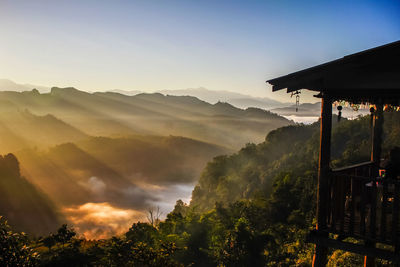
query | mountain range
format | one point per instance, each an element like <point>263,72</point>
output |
<point>211,96</point>
<point>113,114</point>
<point>236,99</point>
<point>81,153</point>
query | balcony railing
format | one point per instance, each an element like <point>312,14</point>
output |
<point>363,205</point>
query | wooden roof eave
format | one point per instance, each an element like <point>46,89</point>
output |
<point>355,74</point>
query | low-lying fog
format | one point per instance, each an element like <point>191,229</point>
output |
<point>103,219</point>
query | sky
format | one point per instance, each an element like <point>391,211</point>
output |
<point>150,45</point>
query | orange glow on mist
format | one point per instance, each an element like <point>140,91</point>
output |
<point>101,220</point>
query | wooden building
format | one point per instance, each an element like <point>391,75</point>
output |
<point>354,201</point>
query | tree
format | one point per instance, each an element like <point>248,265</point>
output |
<point>154,215</point>
<point>49,241</point>
<point>180,208</point>
<point>64,234</point>
<point>14,248</point>
<point>142,232</point>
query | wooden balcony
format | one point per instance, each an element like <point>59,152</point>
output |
<point>353,201</point>
<point>363,206</point>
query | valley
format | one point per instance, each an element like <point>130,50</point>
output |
<point>96,153</point>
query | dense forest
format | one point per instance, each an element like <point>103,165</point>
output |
<point>250,208</point>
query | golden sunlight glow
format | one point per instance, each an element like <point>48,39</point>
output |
<point>101,220</point>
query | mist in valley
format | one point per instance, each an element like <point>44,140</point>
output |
<point>100,161</point>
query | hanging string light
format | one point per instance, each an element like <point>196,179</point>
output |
<point>339,104</point>
<point>355,107</point>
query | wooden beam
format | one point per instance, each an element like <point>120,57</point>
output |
<point>377,131</point>
<point>376,151</point>
<point>316,238</point>
<point>321,252</point>
<point>324,160</point>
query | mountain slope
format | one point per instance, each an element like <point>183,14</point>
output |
<point>8,85</point>
<point>65,172</point>
<point>26,208</point>
<point>22,129</point>
<point>112,114</point>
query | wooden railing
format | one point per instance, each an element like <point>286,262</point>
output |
<point>364,206</point>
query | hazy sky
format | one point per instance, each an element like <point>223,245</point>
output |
<point>175,44</point>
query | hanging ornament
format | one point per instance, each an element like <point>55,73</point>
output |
<point>372,110</point>
<point>340,113</point>
<point>297,94</point>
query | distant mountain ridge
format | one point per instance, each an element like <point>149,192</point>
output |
<point>236,99</point>
<point>210,96</point>
<point>8,85</point>
<point>113,114</point>
<point>126,92</point>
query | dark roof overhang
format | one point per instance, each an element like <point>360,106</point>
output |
<point>368,76</point>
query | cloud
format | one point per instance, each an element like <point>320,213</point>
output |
<point>167,196</point>
<point>112,211</point>
<point>129,196</point>
<point>101,220</point>
<point>94,185</point>
<point>135,196</point>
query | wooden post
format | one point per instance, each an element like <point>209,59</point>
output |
<point>376,151</point>
<point>321,253</point>
<point>377,132</point>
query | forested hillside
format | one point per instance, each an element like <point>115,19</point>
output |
<point>252,208</point>
<point>65,171</point>
<point>25,207</point>
<point>127,174</point>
